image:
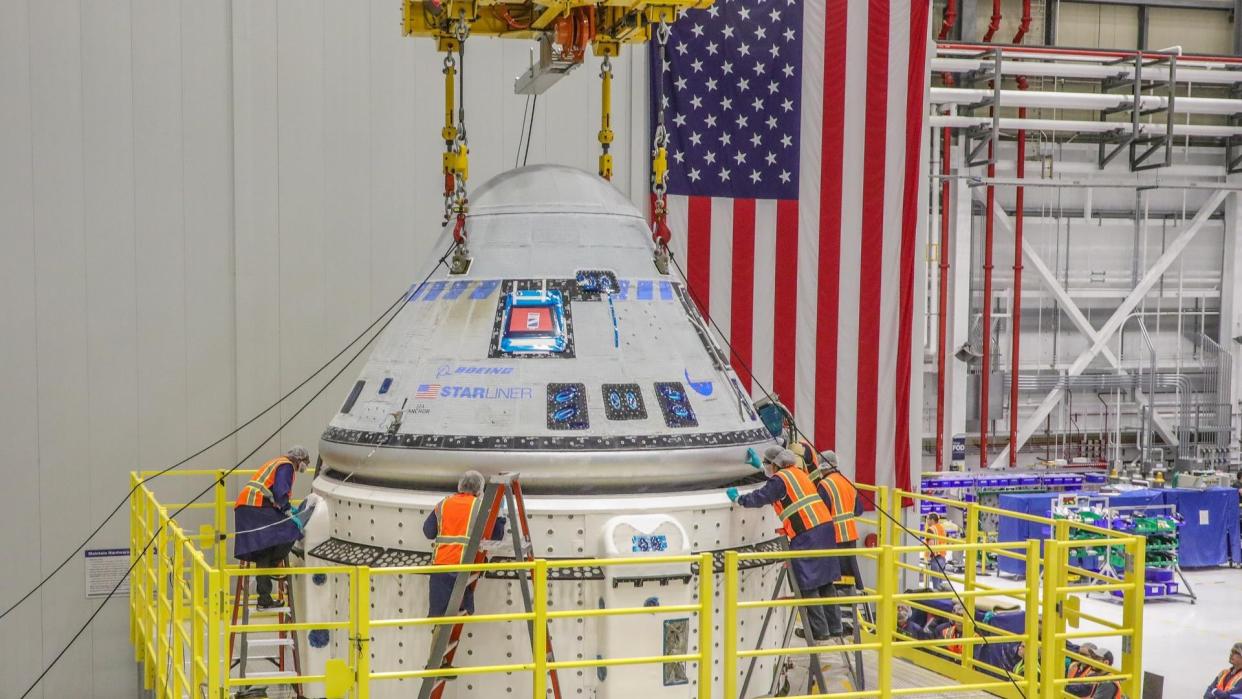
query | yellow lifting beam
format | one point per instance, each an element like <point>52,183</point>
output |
<point>605,118</point>
<point>616,21</point>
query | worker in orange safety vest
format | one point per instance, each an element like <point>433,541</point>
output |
<point>1229,681</point>
<point>807,522</point>
<point>266,526</point>
<point>449,526</point>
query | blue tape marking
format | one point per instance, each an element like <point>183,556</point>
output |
<point>415,292</point>
<point>616,334</point>
<point>456,289</point>
<point>484,289</point>
<point>387,384</point>
<point>644,290</point>
<point>624,289</point>
<point>434,292</point>
<point>666,291</point>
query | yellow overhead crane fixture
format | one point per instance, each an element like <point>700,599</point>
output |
<point>564,30</point>
<point>614,22</point>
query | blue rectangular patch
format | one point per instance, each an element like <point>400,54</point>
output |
<point>623,289</point>
<point>666,291</point>
<point>640,543</point>
<point>456,289</point>
<point>434,292</point>
<point>416,291</point>
<point>484,289</point>
<point>644,290</point>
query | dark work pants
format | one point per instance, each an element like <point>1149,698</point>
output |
<point>849,564</point>
<point>270,557</point>
<point>825,618</point>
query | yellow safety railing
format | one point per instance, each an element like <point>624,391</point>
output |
<point>182,595</point>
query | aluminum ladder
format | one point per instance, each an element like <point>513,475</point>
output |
<point>281,651</point>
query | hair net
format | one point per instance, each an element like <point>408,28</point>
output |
<point>829,458</point>
<point>298,453</point>
<point>470,482</point>
<point>771,453</point>
<point>785,458</point>
<point>1237,647</point>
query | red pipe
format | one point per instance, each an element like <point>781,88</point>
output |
<point>1049,50</point>
<point>946,145</point>
<point>950,16</point>
<point>1020,200</point>
<point>994,24</point>
<point>985,364</point>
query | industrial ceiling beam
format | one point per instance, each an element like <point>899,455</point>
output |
<point>1115,321</point>
<point>1226,5</point>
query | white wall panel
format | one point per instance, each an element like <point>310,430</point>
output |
<point>200,202</point>
<point>21,633</point>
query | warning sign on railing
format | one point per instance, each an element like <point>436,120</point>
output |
<point>104,569</point>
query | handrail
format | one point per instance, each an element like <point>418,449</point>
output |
<point>180,603</point>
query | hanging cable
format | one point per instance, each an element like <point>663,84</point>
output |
<point>660,232</point>
<point>795,429</point>
<point>530,130</point>
<point>200,452</point>
<point>605,118</point>
<point>517,156</point>
<point>399,305</point>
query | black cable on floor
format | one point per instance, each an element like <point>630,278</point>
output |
<point>399,305</point>
<point>746,367</point>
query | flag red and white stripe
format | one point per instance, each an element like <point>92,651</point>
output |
<point>819,294</point>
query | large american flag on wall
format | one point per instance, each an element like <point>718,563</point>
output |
<point>796,204</point>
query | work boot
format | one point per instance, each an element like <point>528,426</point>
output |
<point>266,603</point>
<point>818,639</point>
<point>252,693</point>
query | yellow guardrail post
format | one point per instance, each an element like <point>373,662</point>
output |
<point>161,570</point>
<point>729,624</point>
<point>1030,651</point>
<point>883,525</point>
<point>707,565</point>
<point>886,619</point>
<point>539,640</point>
<point>176,647</point>
<point>220,494</point>
<point>1132,616</point>
<point>133,534</point>
<point>197,630</point>
<point>971,561</point>
<point>363,629</point>
<point>355,610</point>
<point>1050,610</point>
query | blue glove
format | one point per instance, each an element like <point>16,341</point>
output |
<point>732,493</point>
<point>297,521</point>
<point>752,458</point>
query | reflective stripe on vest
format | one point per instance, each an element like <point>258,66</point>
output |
<point>1227,679</point>
<point>843,499</point>
<point>455,516</point>
<point>800,508</point>
<point>258,491</point>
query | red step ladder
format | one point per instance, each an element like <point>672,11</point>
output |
<point>444,641</point>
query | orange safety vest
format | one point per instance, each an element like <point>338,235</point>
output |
<point>843,497</point>
<point>1229,678</point>
<point>950,631</point>
<point>259,490</point>
<point>800,508</point>
<point>454,518</point>
<point>938,530</point>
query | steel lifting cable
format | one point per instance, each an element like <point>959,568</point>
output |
<point>794,427</point>
<point>660,232</point>
<point>399,305</point>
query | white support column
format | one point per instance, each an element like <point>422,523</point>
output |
<point>956,399</point>
<point>1231,298</point>
<point>1117,319</point>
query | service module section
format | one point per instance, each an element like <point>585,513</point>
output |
<point>106,570</point>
